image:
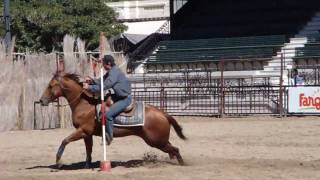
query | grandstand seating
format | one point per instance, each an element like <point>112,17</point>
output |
<point>311,48</point>
<point>204,32</point>
<point>309,51</point>
<point>215,49</point>
<point>313,38</point>
<point>221,42</point>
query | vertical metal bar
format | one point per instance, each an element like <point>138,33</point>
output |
<point>35,114</point>
<point>315,76</point>
<point>239,100</point>
<point>281,83</point>
<point>222,89</point>
<point>57,62</point>
<point>250,100</point>
<point>58,124</point>
<point>171,17</point>
<point>161,97</point>
<point>254,100</point>
<point>286,100</point>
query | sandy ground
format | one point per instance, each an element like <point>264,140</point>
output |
<point>234,148</point>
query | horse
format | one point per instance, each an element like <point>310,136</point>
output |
<point>155,131</point>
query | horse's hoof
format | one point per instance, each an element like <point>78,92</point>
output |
<point>87,166</point>
<point>171,156</point>
<point>181,162</point>
<point>59,165</point>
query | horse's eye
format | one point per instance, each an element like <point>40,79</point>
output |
<point>49,87</point>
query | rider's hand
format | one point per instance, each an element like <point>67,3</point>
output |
<point>88,80</point>
<point>85,86</point>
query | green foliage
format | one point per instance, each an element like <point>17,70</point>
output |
<point>2,28</point>
<point>40,25</point>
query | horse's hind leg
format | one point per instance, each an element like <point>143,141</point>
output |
<point>173,152</point>
<point>88,143</point>
<point>78,134</point>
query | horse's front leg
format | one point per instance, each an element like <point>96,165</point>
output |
<point>88,142</point>
<point>78,134</point>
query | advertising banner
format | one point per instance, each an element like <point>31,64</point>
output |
<point>304,99</point>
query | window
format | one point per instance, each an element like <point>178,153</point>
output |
<point>158,7</point>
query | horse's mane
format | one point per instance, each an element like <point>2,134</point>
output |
<point>88,95</point>
<point>74,77</point>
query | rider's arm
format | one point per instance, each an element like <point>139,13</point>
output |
<point>96,81</point>
<point>111,80</point>
<point>96,86</point>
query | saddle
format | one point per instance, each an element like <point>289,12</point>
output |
<point>128,112</point>
<point>95,100</point>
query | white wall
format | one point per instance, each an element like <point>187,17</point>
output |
<point>145,27</point>
<point>141,9</point>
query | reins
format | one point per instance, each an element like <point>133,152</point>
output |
<point>74,100</point>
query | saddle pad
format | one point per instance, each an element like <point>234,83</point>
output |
<point>136,120</point>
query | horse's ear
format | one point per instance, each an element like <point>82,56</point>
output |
<point>62,74</point>
<point>58,75</point>
<point>60,66</point>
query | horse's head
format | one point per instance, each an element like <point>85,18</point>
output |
<point>53,90</point>
<point>62,84</point>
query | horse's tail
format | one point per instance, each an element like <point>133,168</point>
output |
<point>176,126</point>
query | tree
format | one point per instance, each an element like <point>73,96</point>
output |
<point>40,25</point>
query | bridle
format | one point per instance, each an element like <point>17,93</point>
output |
<point>58,78</point>
<point>71,102</point>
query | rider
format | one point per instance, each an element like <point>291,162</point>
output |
<point>114,78</point>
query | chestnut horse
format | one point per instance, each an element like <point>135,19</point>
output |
<point>155,132</point>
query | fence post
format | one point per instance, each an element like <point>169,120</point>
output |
<point>60,121</point>
<point>281,88</point>
<point>286,101</point>
<point>35,114</point>
<point>222,89</point>
<point>162,97</point>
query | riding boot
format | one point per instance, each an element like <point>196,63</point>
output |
<point>100,117</point>
<point>108,138</point>
<point>110,129</point>
<point>109,132</point>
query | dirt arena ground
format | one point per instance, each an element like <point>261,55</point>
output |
<point>233,148</point>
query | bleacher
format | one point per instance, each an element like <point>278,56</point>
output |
<point>311,48</point>
<point>221,42</point>
<point>250,35</point>
<point>313,38</point>
<point>215,49</point>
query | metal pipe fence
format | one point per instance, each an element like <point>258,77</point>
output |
<point>212,93</point>
<point>207,101</point>
<point>201,94</point>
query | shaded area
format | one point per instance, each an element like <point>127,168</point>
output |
<point>114,164</point>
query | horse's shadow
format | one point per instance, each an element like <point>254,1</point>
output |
<point>94,165</point>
